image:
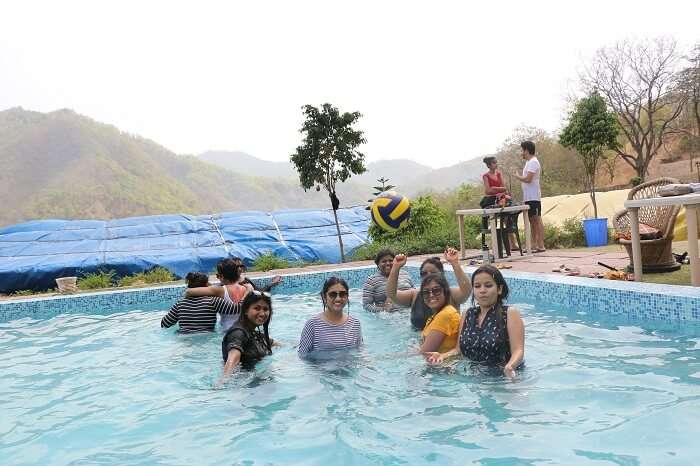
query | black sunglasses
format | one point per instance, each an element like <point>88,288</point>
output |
<point>437,291</point>
<point>261,293</point>
<point>336,294</point>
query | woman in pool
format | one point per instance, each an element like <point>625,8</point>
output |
<point>374,295</point>
<point>440,331</point>
<point>490,333</point>
<point>332,329</point>
<point>245,343</point>
<point>228,272</point>
<point>420,312</point>
<point>197,314</point>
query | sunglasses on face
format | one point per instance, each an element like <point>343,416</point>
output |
<point>437,291</point>
<point>261,293</point>
<point>337,294</point>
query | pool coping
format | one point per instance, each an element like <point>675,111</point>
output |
<point>638,300</point>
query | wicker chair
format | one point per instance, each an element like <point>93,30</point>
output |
<point>656,253</point>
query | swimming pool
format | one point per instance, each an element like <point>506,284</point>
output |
<point>113,388</point>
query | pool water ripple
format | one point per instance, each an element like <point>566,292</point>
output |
<point>117,389</point>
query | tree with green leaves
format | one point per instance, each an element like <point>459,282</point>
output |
<point>591,130</point>
<point>328,153</point>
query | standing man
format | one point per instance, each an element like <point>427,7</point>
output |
<point>530,181</point>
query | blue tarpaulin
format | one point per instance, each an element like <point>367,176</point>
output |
<point>34,254</point>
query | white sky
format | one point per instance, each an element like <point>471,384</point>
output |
<point>437,82</point>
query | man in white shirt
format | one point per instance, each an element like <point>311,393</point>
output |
<point>530,181</point>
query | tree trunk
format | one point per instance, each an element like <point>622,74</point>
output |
<point>340,238</point>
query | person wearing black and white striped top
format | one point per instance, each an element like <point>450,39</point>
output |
<point>331,329</point>
<point>374,297</point>
<point>198,314</point>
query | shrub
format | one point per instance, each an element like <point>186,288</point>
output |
<point>269,261</point>
<point>569,235</point>
<point>158,275</point>
<point>93,281</point>
<point>635,181</point>
<point>132,280</point>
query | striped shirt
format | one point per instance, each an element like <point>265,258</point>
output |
<point>198,314</point>
<point>319,335</point>
<point>374,291</point>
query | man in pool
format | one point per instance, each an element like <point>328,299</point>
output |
<point>374,298</point>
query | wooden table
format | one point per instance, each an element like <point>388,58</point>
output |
<point>493,214</point>
<point>691,202</point>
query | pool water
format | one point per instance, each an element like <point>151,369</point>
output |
<point>117,389</point>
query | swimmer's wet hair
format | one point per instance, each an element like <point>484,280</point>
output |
<point>230,269</point>
<point>196,279</point>
<point>435,262</point>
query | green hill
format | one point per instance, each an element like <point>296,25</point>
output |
<point>64,165</point>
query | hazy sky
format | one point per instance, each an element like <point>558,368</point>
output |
<point>437,82</point>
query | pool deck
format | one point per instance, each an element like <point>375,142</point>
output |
<point>585,259</point>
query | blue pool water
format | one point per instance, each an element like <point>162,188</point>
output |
<point>117,389</point>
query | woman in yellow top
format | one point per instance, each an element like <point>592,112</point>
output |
<point>441,329</point>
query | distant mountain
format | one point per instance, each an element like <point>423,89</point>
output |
<point>410,177</point>
<point>64,165</point>
<point>246,164</point>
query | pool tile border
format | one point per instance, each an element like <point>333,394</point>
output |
<point>637,300</point>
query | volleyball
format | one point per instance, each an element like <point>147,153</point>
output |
<point>391,211</point>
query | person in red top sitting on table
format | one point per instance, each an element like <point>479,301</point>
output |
<point>494,188</point>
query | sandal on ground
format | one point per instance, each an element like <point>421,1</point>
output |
<point>539,250</point>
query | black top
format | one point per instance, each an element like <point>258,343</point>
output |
<point>488,344</point>
<point>252,345</point>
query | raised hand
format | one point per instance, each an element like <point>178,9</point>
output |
<point>276,280</point>
<point>400,260</point>
<point>452,255</point>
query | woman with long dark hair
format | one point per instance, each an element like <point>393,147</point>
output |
<point>420,312</point>
<point>248,341</point>
<point>440,331</point>
<point>332,329</point>
<point>490,332</point>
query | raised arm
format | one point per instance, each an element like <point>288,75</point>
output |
<point>402,297</point>
<point>516,336</point>
<point>205,291</point>
<point>461,293</point>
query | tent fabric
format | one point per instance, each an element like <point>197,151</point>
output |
<point>34,254</point>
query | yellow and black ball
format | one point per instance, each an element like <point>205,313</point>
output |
<point>391,211</point>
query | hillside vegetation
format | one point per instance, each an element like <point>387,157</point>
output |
<point>64,165</point>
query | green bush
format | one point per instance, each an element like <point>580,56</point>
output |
<point>269,262</point>
<point>569,235</point>
<point>97,280</point>
<point>155,275</point>
<point>132,280</point>
<point>635,180</point>
<point>158,275</point>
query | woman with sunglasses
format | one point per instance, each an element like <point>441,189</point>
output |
<point>420,311</point>
<point>331,329</point>
<point>441,329</point>
<point>245,343</point>
<point>490,333</point>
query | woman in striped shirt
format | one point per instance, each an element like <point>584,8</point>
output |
<point>331,329</point>
<point>197,314</point>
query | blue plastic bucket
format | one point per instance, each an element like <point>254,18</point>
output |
<point>595,230</point>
